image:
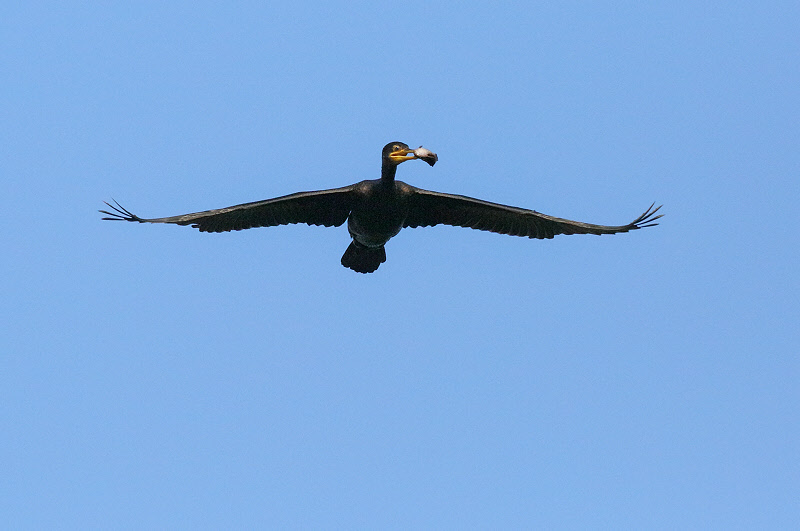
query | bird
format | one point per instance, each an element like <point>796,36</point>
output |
<point>377,210</point>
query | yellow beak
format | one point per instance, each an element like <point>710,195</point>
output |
<point>402,155</point>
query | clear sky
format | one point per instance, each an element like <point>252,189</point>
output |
<point>155,376</point>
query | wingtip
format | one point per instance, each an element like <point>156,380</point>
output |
<point>119,213</point>
<point>648,217</point>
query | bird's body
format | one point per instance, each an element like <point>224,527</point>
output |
<point>379,210</point>
<point>376,211</point>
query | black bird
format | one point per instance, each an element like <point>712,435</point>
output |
<point>378,209</point>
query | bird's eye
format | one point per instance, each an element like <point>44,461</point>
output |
<point>395,148</point>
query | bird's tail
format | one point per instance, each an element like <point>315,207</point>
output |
<point>363,259</point>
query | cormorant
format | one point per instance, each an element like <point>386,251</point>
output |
<point>378,209</point>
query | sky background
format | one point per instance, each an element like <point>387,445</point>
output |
<point>155,376</point>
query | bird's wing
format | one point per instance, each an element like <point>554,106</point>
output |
<point>428,208</point>
<point>323,207</point>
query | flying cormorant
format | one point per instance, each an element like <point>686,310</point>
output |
<point>378,209</point>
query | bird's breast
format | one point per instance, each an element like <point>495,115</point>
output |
<point>377,216</point>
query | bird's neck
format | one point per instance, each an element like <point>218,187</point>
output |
<point>388,172</point>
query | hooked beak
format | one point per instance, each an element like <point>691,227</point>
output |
<point>402,155</point>
<point>409,154</point>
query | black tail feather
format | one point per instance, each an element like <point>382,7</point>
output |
<point>363,259</point>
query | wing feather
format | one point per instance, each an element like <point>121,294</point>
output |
<point>322,207</point>
<point>428,208</point>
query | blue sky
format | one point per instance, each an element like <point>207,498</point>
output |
<point>157,376</point>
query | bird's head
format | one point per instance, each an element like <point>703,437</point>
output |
<point>396,152</point>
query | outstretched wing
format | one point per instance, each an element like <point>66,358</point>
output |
<point>323,207</point>
<point>428,208</point>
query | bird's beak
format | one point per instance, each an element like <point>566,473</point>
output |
<point>402,155</point>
